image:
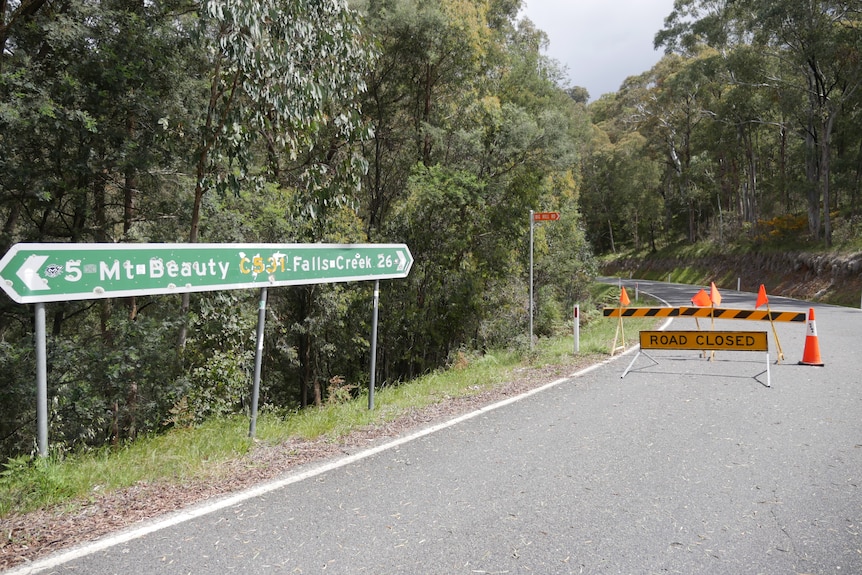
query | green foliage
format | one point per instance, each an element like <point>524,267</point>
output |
<point>779,80</point>
<point>219,386</point>
<point>442,221</point>
<point>118,121</point>
<point>18,396</point>
<point>220,355</point>
<point>549,318</point>
<point>506,326</point>
<point>79,120</point>
<point>111,388</point>
<point>485,149</point>
<point>26,481</point>
<point>295,62</point>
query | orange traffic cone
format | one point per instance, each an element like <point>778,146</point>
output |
<point>811,354</point>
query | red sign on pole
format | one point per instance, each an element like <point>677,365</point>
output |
<point>546,216</point>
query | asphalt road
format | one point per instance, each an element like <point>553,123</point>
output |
<point>687,466</point>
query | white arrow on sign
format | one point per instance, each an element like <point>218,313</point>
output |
<point>29,273</point>
<point>402,260</point>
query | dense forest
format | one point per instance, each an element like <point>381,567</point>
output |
<point>748,129</point>
<point>439,124</point>
<point>435,124</point>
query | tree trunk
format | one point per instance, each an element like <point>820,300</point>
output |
<point>692,222</point>
<point>749,212</point>
<point>812,157</point>
<point>854,198</point>
<point>426,114</point>
<point>129,190</point>
<point>812,177</point>
<point>611,234</point>
<point>825,161</point>
<point>211,134</point>
<point>783,167</point>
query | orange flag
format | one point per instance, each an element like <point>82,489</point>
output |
<point>714,296</point>
<point>761,297</point>
<point>624,298</point>
<point>701,299</point>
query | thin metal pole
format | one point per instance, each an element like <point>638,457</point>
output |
<point>531,280</point>
<point>41,381</point>
<point>258,361</point>
<point>372,381</point>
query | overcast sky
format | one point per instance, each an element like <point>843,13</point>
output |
<point>602,42</point>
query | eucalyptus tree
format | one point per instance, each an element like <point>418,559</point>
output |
<point>277,72</point>
<point>500,139</point>
<point>82,85</point>
<point>110,110</point>
<point>666,105</point>
<point>848,163</point>
<point>284,79</point>
<point>621,198</point>
<point>430,69</point>
<point>280,69</point>
<point>814,46</point>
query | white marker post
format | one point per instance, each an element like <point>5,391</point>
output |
<point>577,328</point>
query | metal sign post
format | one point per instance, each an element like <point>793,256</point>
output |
<point>41,381</point>
<point>372,381</point>
<point>258,361</point>
<point>537,217</point>
<point>531,279</point>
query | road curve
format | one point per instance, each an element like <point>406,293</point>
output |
<point>685,466</point>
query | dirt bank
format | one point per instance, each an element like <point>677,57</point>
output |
<point>827,278</point>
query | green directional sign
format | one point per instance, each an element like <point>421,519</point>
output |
<point>34,273</point>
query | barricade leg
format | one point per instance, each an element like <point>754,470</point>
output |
<point>639,353</point>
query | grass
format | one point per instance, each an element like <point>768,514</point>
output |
<point>27,484</point>
<point>182,454</point>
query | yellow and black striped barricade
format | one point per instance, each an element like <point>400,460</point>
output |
<point>710,312</point>
<point>703,340</point>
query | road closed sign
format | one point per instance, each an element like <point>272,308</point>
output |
<point>705,340</point>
